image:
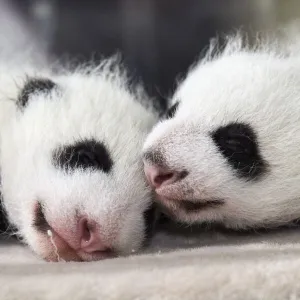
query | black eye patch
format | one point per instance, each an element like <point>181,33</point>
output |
<point>238,144</point>
<point>34,85</point>
<point>84,154</point>
<point>172,110</point>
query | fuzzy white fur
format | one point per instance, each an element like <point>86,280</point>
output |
<point>96,105</point>
<point>256,85</point>
<point>89,102</point>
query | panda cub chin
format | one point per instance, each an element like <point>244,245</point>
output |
<point>72,178</point>
<point>228,150</point>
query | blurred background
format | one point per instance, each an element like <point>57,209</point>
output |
<point>158,39</point>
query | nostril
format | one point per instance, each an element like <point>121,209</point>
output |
<point>85,230</point>
<point>160,179</point>
<point>90,238</point>
<point>183,174</point>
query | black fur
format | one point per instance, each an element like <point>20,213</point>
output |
<point>3,220</point>
<point>5,226</point>
<point>40,222</point>
<point>150,217</point>
<point>238,144</point>
<point>172,110</point>
<point>34,85</point>
<point>84,154</point>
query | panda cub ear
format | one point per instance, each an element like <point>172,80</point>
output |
<point>34,86</point>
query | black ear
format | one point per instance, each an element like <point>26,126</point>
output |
<point>32,86</point>
<point>238,144</point>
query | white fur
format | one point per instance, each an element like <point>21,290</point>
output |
<point>90,102</point>
<point>259,86</point>
<point>97,105</point>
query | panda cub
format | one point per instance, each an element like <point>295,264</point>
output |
<point>228,149</point>
<point>72,179</point>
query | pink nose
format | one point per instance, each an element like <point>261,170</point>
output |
<point>89,236</point>
<point>158,176</point>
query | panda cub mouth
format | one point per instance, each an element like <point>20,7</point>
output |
<point>191,206</point>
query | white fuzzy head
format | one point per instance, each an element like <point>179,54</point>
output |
<point>228,151</point>
<point>70,162</point>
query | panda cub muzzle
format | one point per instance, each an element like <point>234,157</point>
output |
<point>165,182</point>
<point>75,244</point>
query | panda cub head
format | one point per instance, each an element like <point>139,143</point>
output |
<point>71,171</point>
<point>228,150</point>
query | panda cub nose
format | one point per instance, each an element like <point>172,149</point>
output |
<point>158,176</point>
<point>88,234</point>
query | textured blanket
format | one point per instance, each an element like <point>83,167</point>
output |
<point>205,265</point>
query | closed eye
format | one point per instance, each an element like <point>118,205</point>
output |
<point>237,142</point>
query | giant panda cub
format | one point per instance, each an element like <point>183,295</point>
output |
<point>72,179</point>
<point>228,150</point>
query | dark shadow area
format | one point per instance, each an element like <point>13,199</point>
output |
<point>159,39</point>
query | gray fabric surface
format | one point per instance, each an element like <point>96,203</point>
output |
<point>222,266</point>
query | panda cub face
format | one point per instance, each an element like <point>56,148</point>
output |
<point>71,171</point>
<point>228,149</point>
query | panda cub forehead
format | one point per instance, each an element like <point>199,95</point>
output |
<point>70,163</point>
<point>225,151</point>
